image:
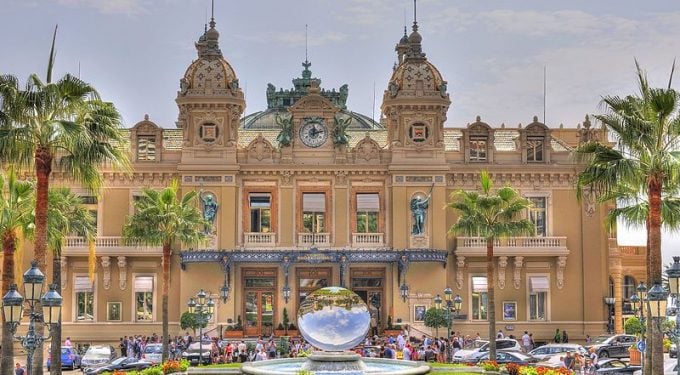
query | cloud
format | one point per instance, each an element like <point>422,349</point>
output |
<point>126,7</point>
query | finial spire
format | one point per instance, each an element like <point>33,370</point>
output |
<point>306,59</point>
<point>415,15</point>
<point>212,14</point>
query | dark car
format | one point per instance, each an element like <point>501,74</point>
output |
<point>615,366</point>
<point>615,346</point>
<point>120,363</point>
<point>70,359</point>
<point>203,354</point>
<point>504,357</point>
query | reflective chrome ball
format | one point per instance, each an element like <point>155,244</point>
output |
<point>333,319</point>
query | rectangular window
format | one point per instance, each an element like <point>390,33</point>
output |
<point>479,298</point>
<point>260,212</point>
<point>478,148</point>
<point>534,149</point>
<point>143,298</point>
<point>314,212</point>
<point>146,147</point>
<point>538,215</point>
<point>538,295</point>
<point>368,209</point>
<point>84,289</point>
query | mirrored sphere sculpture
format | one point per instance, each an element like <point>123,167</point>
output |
<point>334,319</point>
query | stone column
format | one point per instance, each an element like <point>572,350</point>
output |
<point>617,276</point>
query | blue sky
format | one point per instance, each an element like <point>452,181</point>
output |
<point>492,53</point>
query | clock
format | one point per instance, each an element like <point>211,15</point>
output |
<point>313,133</point>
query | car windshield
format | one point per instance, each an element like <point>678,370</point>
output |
<point>600,339</point>
<point>479,343</point>
<point>98,350</point>
<point>153,349</point>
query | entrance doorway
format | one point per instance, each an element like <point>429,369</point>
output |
<point>259,301</point>
<point>311,279</point>
<point>369,284</point>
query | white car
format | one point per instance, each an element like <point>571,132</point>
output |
<point>153,353</point>
<point>501,344</point>
<point>547,351</point>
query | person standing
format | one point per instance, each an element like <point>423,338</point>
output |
<point>558,336</point>
<point>526,342</point>
<point>67,342</point>
<point>18,370</point>
<point>500,334</point>
<point>565,337</point>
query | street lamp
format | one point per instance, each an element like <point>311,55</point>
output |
<point>657,298</point>
<point>403,291</point>
<point>224,291</point>
<point>642,293</point>
<point>286,293</point>
<point>202,312</point>
<point>12,309</point>
<point>673,274</point>
<point>610,302</point>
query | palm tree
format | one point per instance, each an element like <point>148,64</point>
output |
<point>490,215</point>
<point>16,198</point>
<point>66,216</point>
<point>165,218</point>
<point>62,125</point>
<point>646,128</point>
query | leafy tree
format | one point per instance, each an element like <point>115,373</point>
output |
<point>188,320</point>
<point>633,326</point>
<point>490,215</point>
<point>165,218</point>
<point>16,205</point>
<point>435,318</point>
<point>646,164</point>
<point>62,125</point>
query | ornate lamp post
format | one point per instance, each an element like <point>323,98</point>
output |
<point>403,291</point>
<point>673,274</point>
<point>286,293</point>
<point>610,301</point>
<point>202,312</point>
<point>224,291</point>
<point>12,308</point>
<point>453,304</point>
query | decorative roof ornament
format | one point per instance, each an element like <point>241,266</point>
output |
<point>415,39</point>
<point>208,45</point>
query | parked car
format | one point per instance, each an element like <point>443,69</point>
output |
<point>673,351</point>
<point>473,355</point>
<point>70,359</point>
<point>153,353</point>
<point>98,355</point>
<point>549,350</point>
<point>615,366</point>
<point>196,354</point>
<point>120,363</point>
<point>504,357</point>
<point>616,346</point>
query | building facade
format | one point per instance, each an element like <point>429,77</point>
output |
<point>309,194</point>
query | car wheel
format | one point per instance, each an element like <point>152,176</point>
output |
<point>603,354</point>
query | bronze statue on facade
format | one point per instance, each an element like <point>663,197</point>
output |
<point>285,136</point>
<point>419,205</point>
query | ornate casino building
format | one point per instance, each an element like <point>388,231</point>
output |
<point>310,194</point>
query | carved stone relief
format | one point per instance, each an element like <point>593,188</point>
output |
<point>366,150</point>
<point>460,271</point>
<point>106,267</point>
<point>64,269</point>
<point>502,264</point>
<point>122,272</point>
<point>517,274</point>
<point>260,149</point>
<point>561,265</point>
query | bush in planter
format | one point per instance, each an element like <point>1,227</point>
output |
<point>239,324</point>
<point>292,327</point>
<point>632,326</point>
<point>389,322</point>
<point>286,320</point>
<point>280,327</point>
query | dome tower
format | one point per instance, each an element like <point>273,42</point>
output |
<point>415,104</point>
<point>210,104</point>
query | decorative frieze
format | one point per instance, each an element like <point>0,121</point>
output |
<point>556,179</point>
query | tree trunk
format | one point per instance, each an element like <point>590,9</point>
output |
<point>8,247</point>
<point>655,267</point>
<point>166,288</point>
<point>43,168</point>
<point>490,287</point>
<point>55,351</point>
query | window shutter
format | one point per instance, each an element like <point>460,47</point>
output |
<point>479,284</point>
<point>260,200</point>
<point>314,202</point>
<point>83,284</point>
<point>144,284</point>
<point>539,284</point>
<point>368,202</point>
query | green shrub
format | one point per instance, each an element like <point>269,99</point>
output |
<point>632,326</point>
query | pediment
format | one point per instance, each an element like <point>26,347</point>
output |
<point>313,102</point>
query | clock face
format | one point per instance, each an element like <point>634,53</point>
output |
<point>313,134</point>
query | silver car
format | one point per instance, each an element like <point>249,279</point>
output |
<point>547,351</point>
<point>97,355</point>
<point>153,353</point>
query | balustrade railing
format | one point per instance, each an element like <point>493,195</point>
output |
<point>308,239</point>
<point>367,239</point>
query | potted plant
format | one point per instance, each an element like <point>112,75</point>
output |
<point>633,326</point>
<point>292,330</point>
<point>234,331</point>
<point>280,330</point>
<point>391,330</point>
<point>286,321</point>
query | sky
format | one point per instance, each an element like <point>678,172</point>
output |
<point>493,53</point>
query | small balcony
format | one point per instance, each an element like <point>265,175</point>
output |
<point>367,239</point>
<point>513,246</point>
<point>109,246</point>
<point>256,239</point>
<point>311,239</point>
